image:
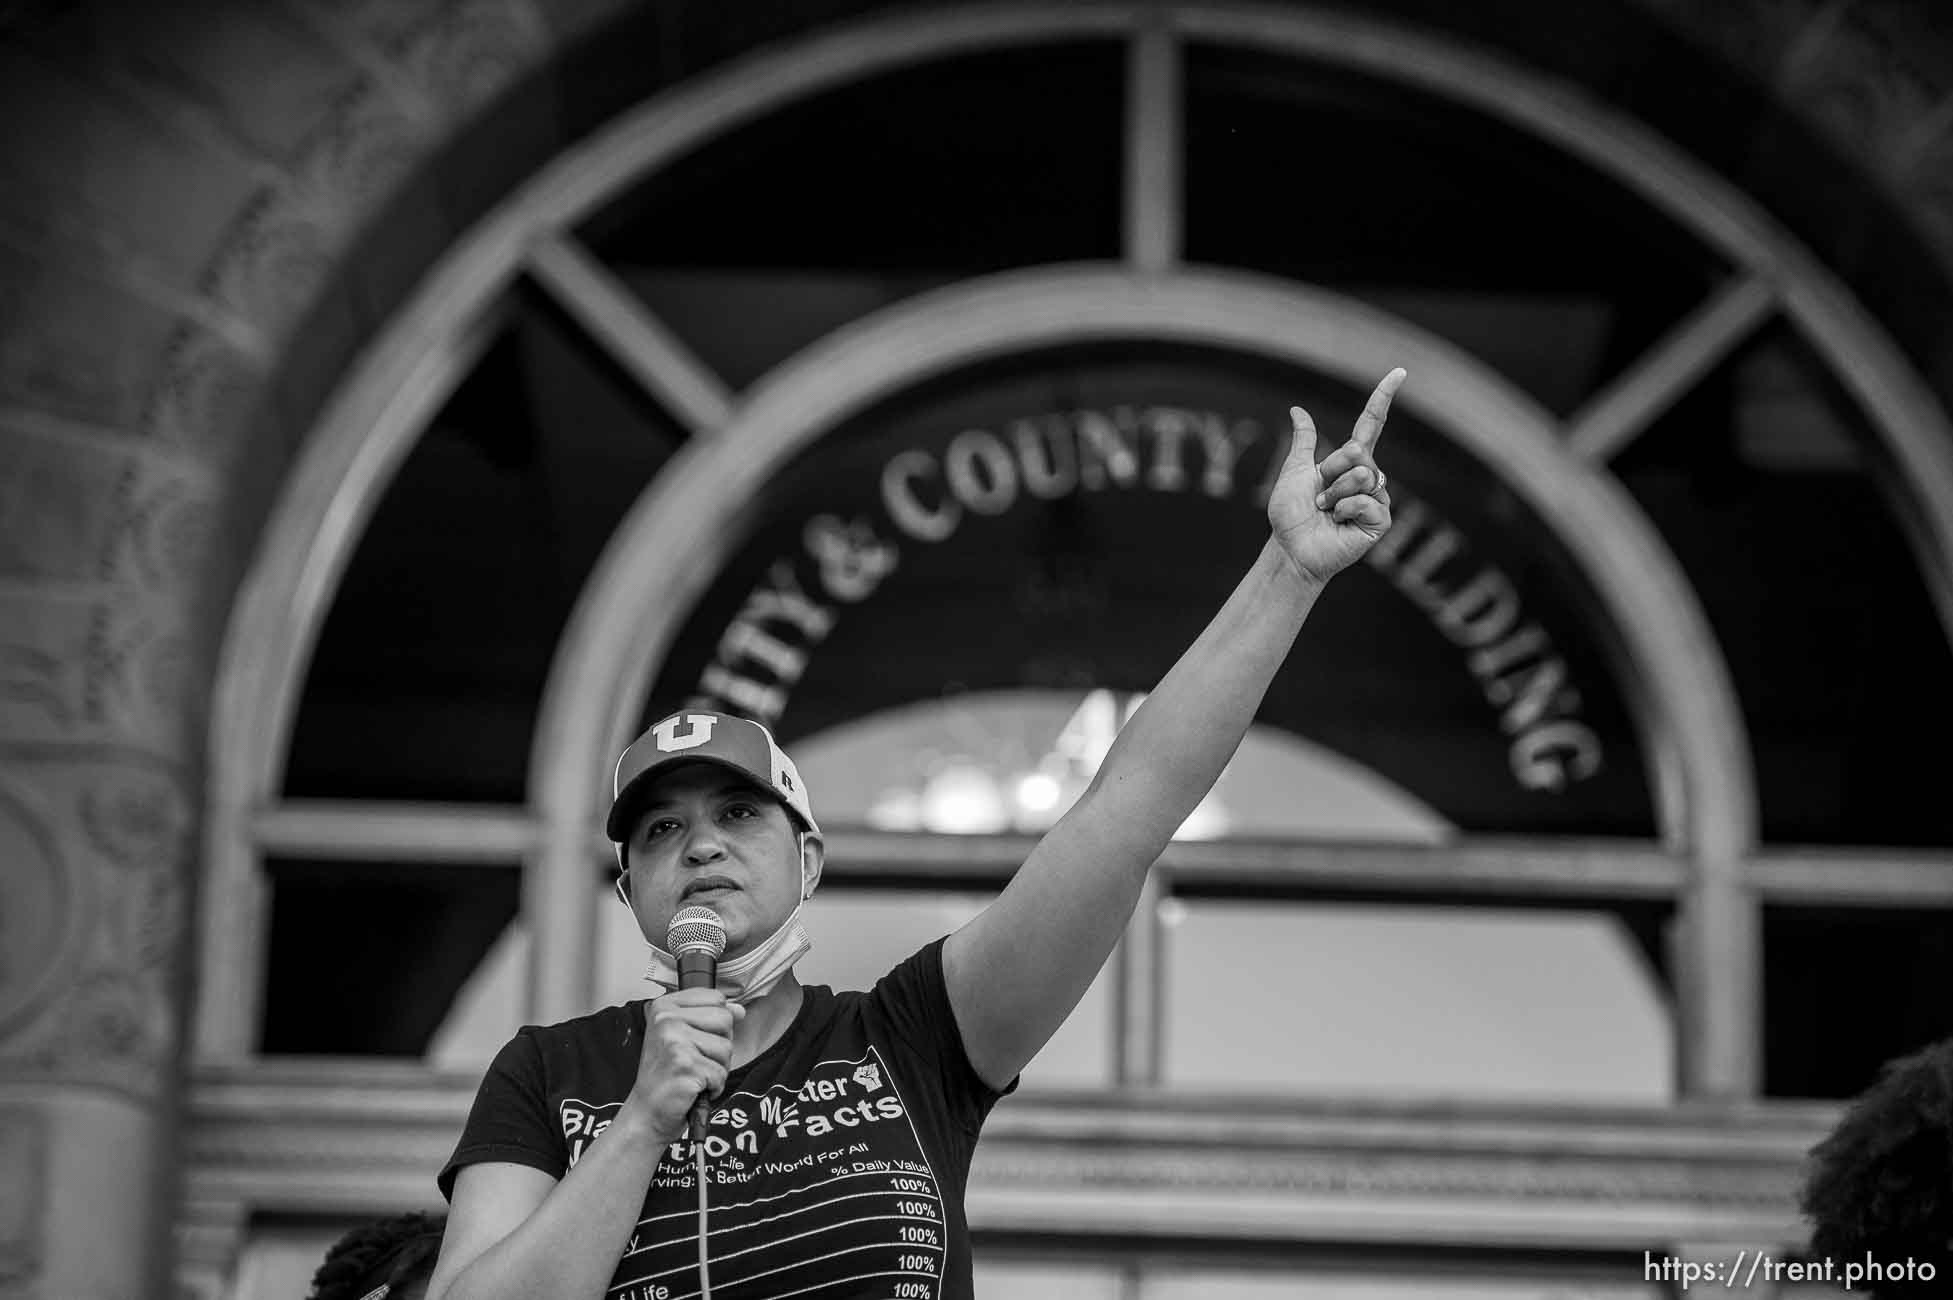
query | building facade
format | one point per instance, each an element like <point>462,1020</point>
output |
<point>402,401</point>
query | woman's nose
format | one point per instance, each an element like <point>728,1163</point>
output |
<point>704,845</point>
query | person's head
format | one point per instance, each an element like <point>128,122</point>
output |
<point>707,809</point>
<point>388,1259</point>
<point>1881,1184</point>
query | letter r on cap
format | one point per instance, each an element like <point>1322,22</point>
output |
<point>669,741</point>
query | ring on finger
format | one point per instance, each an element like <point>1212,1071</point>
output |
<point>1380,482</point>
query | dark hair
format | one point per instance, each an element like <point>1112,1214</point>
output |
<point>1881,1184</point>
<point>390,1252</point>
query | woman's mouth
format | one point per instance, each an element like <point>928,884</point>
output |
<point>708,887</point>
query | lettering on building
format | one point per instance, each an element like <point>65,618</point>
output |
<point>926,496</point>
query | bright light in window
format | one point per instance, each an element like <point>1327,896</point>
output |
<point>1208,821</point>
<point>964,800</point>
<point>1039,792</point>
<point>984,785</point>
<point>896,810</point>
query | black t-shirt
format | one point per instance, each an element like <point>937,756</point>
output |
<point>837,1158</point>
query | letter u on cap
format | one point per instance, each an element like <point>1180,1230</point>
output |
<point>703,736</point>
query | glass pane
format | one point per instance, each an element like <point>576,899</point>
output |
<point>1412,1001</point>
<point>1731,475</point>
<point>491,1006</point>
<point>1546,271</point>
<point>929,167</point>
<point>371,958</point>
<point>1846,990</point>
<point>436,651</point>
<point>989,761</point>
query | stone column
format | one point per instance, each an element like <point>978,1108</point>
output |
<point>96,792</point>
<point>188,261</point>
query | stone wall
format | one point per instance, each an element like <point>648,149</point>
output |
<point>192,247</point>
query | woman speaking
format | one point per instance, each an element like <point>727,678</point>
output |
<point>757,1138</point>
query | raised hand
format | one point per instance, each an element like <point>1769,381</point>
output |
<point>1325,516</point>
<point>687,1049</point>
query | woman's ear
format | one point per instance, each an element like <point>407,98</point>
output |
<point>622,881</point>
<point>813,855</point>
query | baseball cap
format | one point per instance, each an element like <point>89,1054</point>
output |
<point>701,736</point>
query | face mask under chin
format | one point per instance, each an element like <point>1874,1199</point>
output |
<point>752,974</point>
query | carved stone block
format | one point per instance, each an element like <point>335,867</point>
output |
<point>97,850</point>
<point>89,510</point>
<point>98,666</point>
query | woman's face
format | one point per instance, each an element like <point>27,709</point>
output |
<point>708,837</point>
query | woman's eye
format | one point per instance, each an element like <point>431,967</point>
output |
<point>653,829</point>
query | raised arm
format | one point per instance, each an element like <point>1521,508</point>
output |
<point>1016,970</point>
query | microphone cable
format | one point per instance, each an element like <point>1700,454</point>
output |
<point>696,938</point>
<point>704,1269</point>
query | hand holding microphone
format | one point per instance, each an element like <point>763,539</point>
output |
<point>688,1032</point>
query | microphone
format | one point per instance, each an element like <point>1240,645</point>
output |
<point>695,940</point>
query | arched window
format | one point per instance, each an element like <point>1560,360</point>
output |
<point>971,334</point>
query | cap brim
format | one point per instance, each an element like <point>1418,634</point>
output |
<point>625,808</point>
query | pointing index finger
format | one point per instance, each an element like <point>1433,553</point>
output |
<point>1369,425</point>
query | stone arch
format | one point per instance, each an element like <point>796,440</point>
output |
<point>373,418</point>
